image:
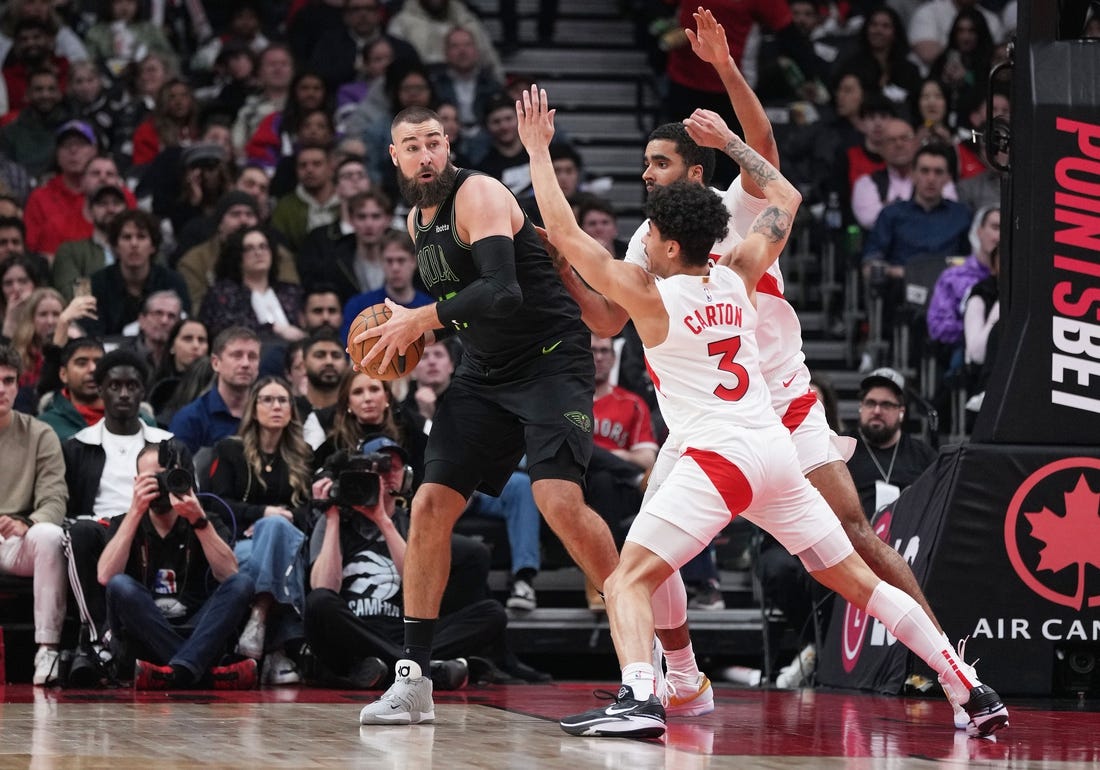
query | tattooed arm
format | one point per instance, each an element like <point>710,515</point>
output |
<point>771,228</point>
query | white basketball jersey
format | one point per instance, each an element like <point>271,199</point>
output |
<point>779,333</point>
<point>707,371</point>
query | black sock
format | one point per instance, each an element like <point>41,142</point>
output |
<point>418,641</point>
<point>182,676</point>
<point>526,574</point>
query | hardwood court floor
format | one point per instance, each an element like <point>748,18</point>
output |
<point>515,727</point>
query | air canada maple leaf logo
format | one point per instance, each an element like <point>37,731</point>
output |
<point>1052,532</point>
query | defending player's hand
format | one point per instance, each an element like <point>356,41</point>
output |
<point>536,119</point>
<point>709,130</point>
<point>708,40</point>
<point>394,337</point>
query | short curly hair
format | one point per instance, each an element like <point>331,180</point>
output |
<point>692,153</point>
<point>690,214</point>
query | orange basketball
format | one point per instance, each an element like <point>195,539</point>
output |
<point>376,315</point>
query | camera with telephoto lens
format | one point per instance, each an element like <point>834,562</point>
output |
<point>357,479</point>
<point>176,479</point>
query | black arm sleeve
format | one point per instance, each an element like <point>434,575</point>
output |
<point>494,294</point>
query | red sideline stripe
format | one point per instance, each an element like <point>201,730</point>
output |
<point>769,285</point>
<point>213,467</point>
<point>726,477</point>
<point>798,409</point>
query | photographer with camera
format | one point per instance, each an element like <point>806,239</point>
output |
<point>99,472</point>
<point>354,612</point>
<point>157,567</point>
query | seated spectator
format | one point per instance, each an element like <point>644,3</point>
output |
<point>235,360</point>
<point>122,288</point>
<point>465,78</point>
<point>277,134</point>
<point>932,116</point>
<point>19,277</point>
<point>173,123</point>
<point>32,48</point>
<point>945,308</point>
<point>132,100</point>
<point>882,59</point>
<point>187,341</point>
<point>624,449</point>
<point>963,66</point>
<point>156,568</point>
<point>866,158</point>
<point>506,159</point>
<point>366,407</point>
<point>235,211</point>
<point>231,80</point>
<point>67,45</point>
<point>243,32</point>
<point>313,203</point>
<point>196,381</point>
<point>55,211</point>
<point>596,217</point>
<point>399,268</point>
<point>426,24</point>
<point>930,27</point>
<point>873,191</point>
<point>274,71</point>
<point>980,183</point>
<point>99,472</point>
<point>352,263</point>
<point>263,474</point>
<point>29,139</point>
<point>325,362</point>
<point>189,182</point>
<point>317,128</point>
<point>31,511</point>
<point>13,238</point>
<point>886,459</point>
<point>124,30</point>
<point>336,50</point>
<point>247,292</point>
<point>981,322</point>
<point>78,259</point>
<point>353,614</point>
<point>365,94</point>
<point>77,404</point>
<point>159,313</point>
<point>926,225</point>
<point>38,318</point>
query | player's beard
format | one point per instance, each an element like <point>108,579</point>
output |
<point>427,194</point>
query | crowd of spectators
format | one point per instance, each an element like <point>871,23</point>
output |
<point>197,198</point>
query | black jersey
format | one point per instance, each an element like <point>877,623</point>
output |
<point>547,313</point>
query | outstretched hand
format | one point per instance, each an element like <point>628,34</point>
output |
<point>708,40</point>
<point>536,120</point>
<point>708,129</point>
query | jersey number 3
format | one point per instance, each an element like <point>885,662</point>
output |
<point>728,349</point>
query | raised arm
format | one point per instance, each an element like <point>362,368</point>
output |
<point>623,283</point>
<point>710,44</point>
<point>772,227</point>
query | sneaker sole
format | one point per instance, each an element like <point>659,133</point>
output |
<point>618,728</point>
<point>691,709</point>
<point>404,718</point>
<point>521,604</point>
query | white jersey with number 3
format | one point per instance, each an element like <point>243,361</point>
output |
<point>707,371</point>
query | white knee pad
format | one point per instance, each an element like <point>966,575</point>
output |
<point>827,552</point>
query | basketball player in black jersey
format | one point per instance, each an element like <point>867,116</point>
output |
<point>524,385</point>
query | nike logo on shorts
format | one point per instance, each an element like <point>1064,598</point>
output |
<point>787,384</point>
<point>551,348</point>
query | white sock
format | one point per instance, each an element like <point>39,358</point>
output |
<point>639,678</point>
<point>682,664</point>
<point>907,621</point>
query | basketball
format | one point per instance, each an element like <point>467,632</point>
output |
<point>376,315</point>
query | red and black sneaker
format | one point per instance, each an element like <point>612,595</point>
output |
<point>149,676</point>
<point>241,675</point>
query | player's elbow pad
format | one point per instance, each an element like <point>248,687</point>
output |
<point>496,256</point>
